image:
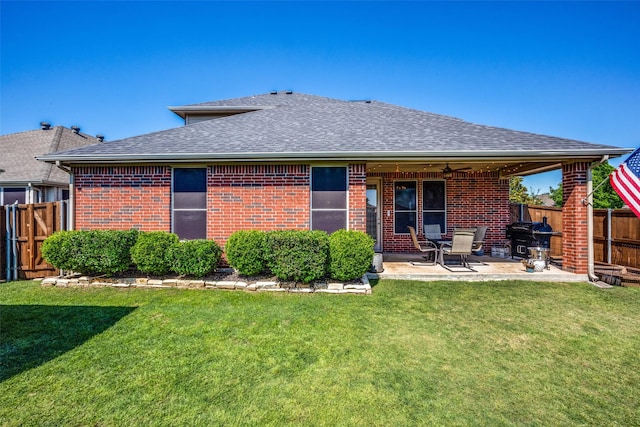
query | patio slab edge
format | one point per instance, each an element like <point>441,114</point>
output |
<point>480,277</point>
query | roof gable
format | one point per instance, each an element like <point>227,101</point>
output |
<point>19,152</point>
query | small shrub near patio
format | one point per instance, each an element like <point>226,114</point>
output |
<point>91,252</point>
<point>350,253</point>
<point>149,253</point>
<point>298,255</point>
<point>194,257</point>
<point>245,250</point>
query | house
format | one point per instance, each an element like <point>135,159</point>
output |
<point>23,179</point>
<point>285,160</point>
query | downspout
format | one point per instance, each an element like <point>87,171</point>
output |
<point>589,202</point>
<point>70,216</point>
<point>32,192</point>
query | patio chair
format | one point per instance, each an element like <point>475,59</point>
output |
<point>432,232</point>
<point>424,247</point>
<point>478,241</point>
<point>461,245</point>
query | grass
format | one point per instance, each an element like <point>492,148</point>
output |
<point>413,353</point>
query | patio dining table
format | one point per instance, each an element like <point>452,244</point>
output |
<point>440,244</point>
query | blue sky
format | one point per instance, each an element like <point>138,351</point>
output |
<point>568,69</point>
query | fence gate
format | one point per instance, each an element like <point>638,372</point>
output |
<point>24,229</point>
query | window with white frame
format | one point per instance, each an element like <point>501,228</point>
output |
<point>328,198</point>
<point>434,204</point>
<point>405,208</point>
<point>189,215</point>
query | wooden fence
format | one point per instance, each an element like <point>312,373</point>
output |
<point>616,232</point>
<point>23,228</point>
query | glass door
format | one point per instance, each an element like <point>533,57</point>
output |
<point>374,220</point>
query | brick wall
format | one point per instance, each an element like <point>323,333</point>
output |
<point>239,197</point>
<point>258,197</point>
<point>358,197</point>
<point>473,199</point>
<point>574,218</point>
<point>122,197</point>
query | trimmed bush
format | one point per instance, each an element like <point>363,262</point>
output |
<point>298,255</point>
<point>61,249</point>
<point>245,250</point>
<point>149,254</point>
<point>350,254</point>
<point>195,257</point>
<point>91,252</point>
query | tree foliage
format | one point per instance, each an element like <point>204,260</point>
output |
<point>518,193</point>
<point>604,197</point>
<point>556,195</point>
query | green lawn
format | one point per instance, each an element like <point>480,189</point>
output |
<point>439,353</point>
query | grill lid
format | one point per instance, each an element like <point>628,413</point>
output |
<point>523,226</point>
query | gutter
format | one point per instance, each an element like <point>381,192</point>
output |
<point>70,218</point>
<point>381,156</point>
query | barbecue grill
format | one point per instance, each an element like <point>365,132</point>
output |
<point>525,235</point>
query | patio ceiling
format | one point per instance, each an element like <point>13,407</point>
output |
<point>505,168</point>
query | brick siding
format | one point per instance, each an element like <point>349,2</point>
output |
<point>358,197</point>
<point>260,197</point>
<point>122,197</point>
<point>574,218</point>
<point>239,197</point>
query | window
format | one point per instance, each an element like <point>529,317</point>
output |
<point>11,195</point>
<point>328,198</point>
<point>434,209</point>
<point>404,202</point>
<point>189,216</point>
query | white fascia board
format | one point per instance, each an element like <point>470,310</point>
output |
<point>514,155</point>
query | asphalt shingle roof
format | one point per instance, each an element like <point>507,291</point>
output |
<point>19,151</point>
<point>306,125</point>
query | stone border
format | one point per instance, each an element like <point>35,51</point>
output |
<point>260,286</point>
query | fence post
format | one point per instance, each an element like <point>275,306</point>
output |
<point>12,242</point>
<point>8,242</point>
<point>15,241</point>
<point>609,238</point>
<point>521,212</point>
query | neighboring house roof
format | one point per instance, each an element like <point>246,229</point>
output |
<point>295,126</point>
<point>19,150</point>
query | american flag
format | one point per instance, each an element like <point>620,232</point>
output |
<point>626,181</point>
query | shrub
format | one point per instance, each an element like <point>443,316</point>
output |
<point>195,257</point>
<point>60,250</point>
<point>350,254</point>
<point>298,255</point>
<point>91,252</point>
<point>245,250</point>
<point>106,251</point>
<point>149,254</point>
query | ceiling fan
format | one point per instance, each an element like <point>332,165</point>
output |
<point>447,172</point>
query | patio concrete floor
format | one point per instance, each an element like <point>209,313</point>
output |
<point>399,266</point>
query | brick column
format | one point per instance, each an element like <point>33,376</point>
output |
<point>358,197</point>
<point>574,218</point>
